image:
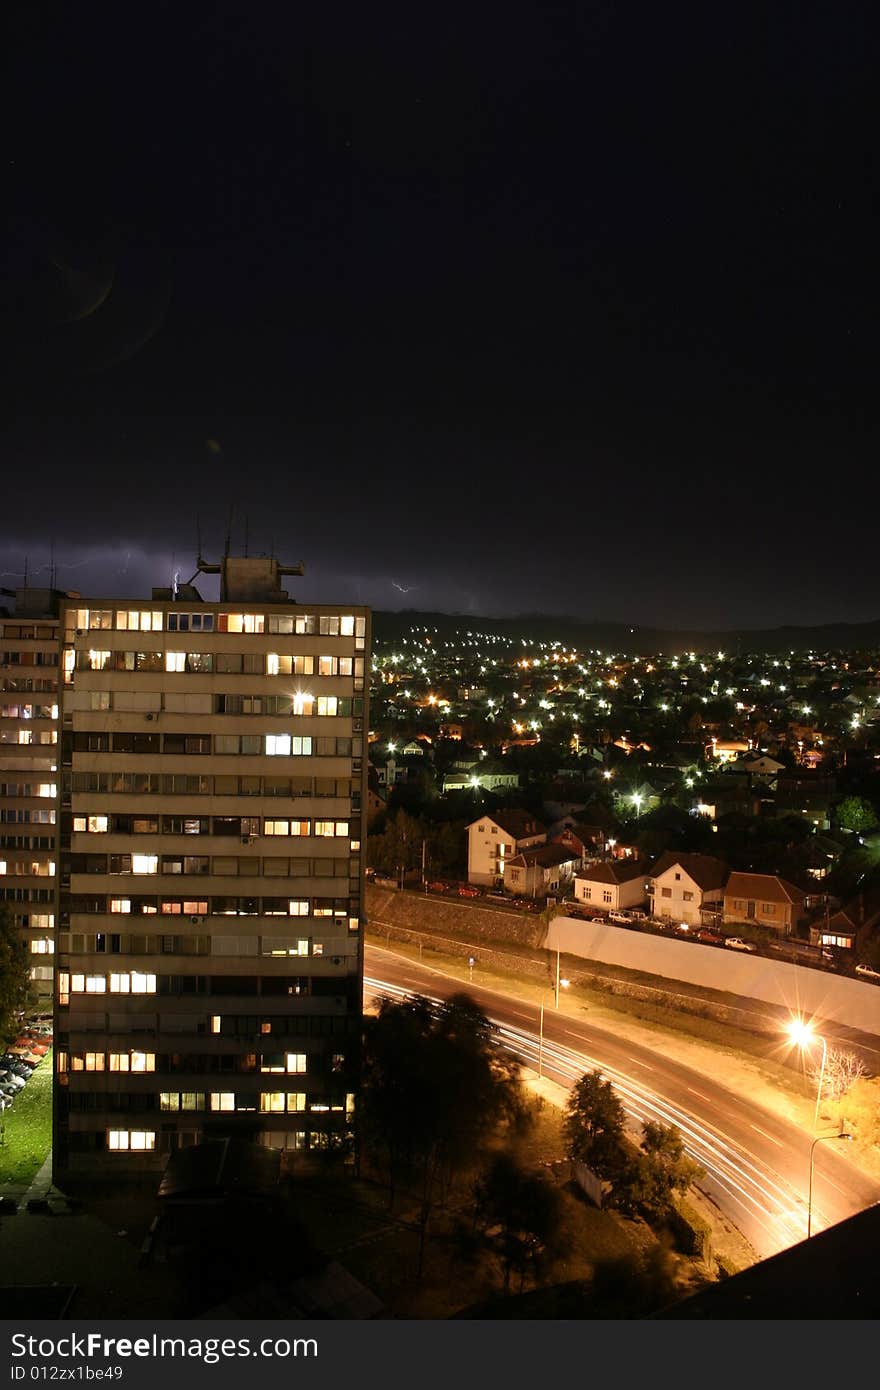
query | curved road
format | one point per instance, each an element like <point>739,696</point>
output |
<point>757,1165</point>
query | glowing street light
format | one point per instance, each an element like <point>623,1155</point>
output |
<point>802,1035</point>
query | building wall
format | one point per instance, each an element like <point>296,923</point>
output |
<point>685,897</point>
<point>29,726</point>
<point>489,846</point>
<point>210,951</point>
<point>781,917</point>
<point>608,897</point>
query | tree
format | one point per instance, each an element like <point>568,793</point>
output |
<point>856,814</point>
<point>594,1126</point>
<point>660,1170</point>
<point>15,985</point>
<point>435,1091</point>
<point>520,1214</point>
<point>842,1069</point>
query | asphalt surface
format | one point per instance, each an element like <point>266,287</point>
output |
<point>757,1164</point>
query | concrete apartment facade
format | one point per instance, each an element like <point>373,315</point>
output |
<point>210,957</point>
<point>29,727</point>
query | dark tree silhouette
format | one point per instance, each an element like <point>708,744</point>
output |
<point>435,1092</point>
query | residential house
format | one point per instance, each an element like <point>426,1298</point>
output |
<point>486,773</point>
<point>760,767</point>
<point>805,793</point>
<point>687,888</point>
<point>586,842</point>
<point>726,750</point>
<point>612,886</point>
<point>766,899</point>
<point>851,927</point>
<point>536,872</point>
<point>495,839</point>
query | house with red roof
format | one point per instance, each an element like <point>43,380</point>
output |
<point>766,899</point>
<point>687,888</point>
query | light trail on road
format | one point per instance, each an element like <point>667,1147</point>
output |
<point>768,1210</point>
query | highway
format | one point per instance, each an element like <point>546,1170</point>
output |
<point>757,1165</point>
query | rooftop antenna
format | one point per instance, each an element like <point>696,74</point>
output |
<point>228,540</point>
<point>53,572</point>
<point>246,524</point>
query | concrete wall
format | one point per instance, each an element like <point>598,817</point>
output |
<point>803,990</point>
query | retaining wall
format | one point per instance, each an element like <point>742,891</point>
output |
<point>799,988</point>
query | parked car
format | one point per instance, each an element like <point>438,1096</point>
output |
<point>709,937</point>
<point>467,890</point>
<point>867,972</point>
<point>437,886</point>
<point>620,917</point>
<point>736,943</point>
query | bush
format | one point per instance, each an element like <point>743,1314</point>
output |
<point>693,1235</point>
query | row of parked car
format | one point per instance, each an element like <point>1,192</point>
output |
<point>710,936</point>
<point>22,1057</point>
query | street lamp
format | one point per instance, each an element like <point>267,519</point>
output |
<point>802,1034</point>
<point>565,984</point>
<point>820,1138</point>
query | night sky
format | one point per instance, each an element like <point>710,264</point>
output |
<point>567,307</point>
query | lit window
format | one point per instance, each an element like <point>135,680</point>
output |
<point>272,664</point>
<point>145,863</point>
<point>272,1101</point>
<point>120,904</point>
<point>278,745</point>
<point>96,984</point>
<point>299,907</point>
<point>135,1140</point>
<point>295,1062</point>
<point>222,1100</point>
<point>42,946</point>
<point>175,661</point>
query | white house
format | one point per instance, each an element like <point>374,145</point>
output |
<point>534,873</point>
<point>493,840</point>
<point>687,887</point>
<point>612,886</point>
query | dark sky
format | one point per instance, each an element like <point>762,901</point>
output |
<point>564,307</point>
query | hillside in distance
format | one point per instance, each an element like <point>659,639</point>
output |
<point>627,638</point>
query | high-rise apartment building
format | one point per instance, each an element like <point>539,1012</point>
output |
<point>209,966</point>
<point>28,771</point>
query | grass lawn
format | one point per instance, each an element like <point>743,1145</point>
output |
<point>28,1137</point>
